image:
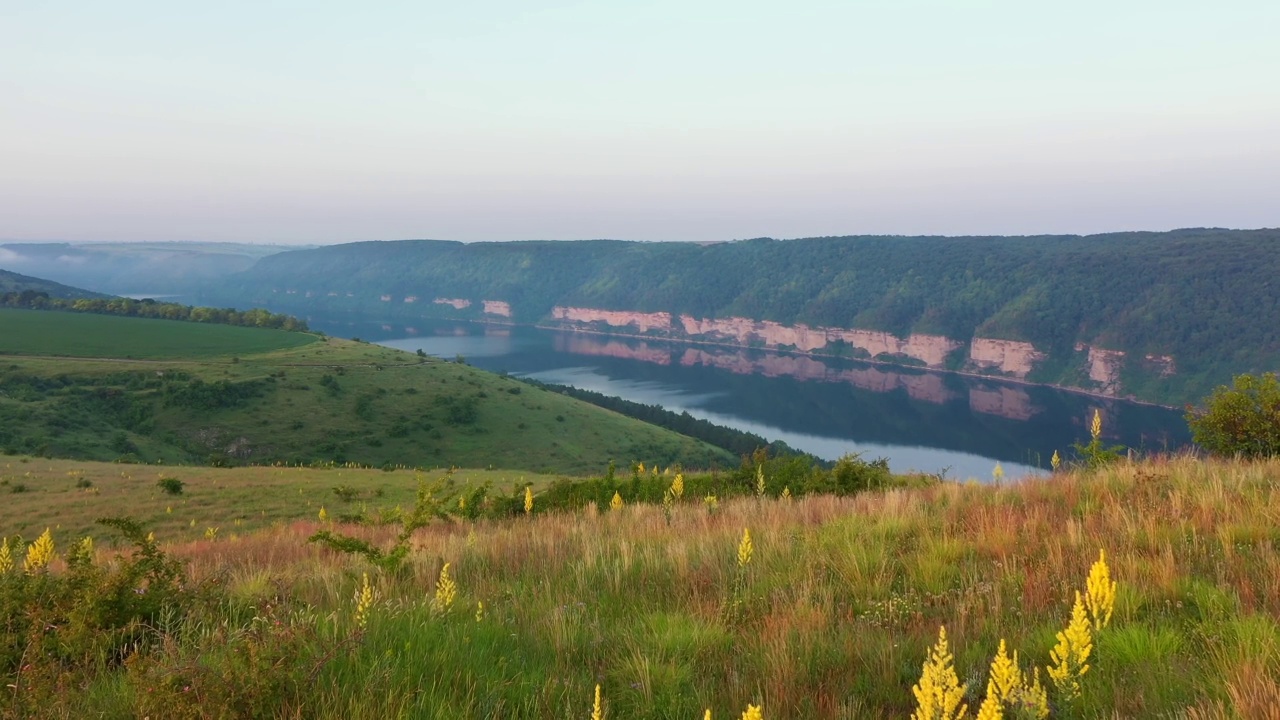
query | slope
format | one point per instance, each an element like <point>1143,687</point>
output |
<point>263,397</point>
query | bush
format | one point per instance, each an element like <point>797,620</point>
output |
<point>1241,420</point>
<point>171,485</point>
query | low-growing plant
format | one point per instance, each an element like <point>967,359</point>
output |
<point>171,485</point>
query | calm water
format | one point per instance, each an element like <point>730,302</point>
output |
<point>932,422</point>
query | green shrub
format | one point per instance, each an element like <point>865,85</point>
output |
<point>1241,420</point>
<point>170,485</point>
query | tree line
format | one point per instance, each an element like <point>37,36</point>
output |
<point>149,308</point>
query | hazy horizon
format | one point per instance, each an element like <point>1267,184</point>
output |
<point>303,244</point>
<point>299,124</point>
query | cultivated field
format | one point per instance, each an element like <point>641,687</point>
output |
<point>30,332</point>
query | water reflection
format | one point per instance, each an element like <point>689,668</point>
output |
<point>917,419</point>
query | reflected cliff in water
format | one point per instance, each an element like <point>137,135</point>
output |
<point>918,419</point>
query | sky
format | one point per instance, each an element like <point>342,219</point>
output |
<point>321,122</point>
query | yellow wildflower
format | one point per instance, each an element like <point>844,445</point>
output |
<point>677,486</point>
<point>1100,594</point>
<point>760,486</point>
<point>745,549</point>
<point>641,466</point>
<point>711,502</point>
<point>528,499</point>
<point>211,533</point>
<point>479,610</point>
<point>364,602</point>
<point>708,715</point>
<point>752,713</point>
<point>6,558</point>
<point>446,591</point>
<point>786,493</point>
<point>39,554</point>
<point>1071,655</point>
<point>616,502</point>
<point>938,694</point>
<point>1031,699</point>
<point>597,712</point>
<point>991,708</point>
<point>998,473</point>
<point>1006,676</point>
<point>1056,461</point>
<point>324,514</point>
<point>1095,427</point>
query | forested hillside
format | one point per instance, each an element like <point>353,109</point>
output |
<point>1161,316</point>
<point>12,282</point>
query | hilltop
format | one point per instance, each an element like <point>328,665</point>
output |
<point>1122,314</point>
<point>147,390</point>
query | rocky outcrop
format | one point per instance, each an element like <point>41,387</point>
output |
<point>500,308</point>
<point>930,350</point>
<point>1104,369</point>
<point>1009,357</point>
<point>455,303</point>
<point>641,322</point>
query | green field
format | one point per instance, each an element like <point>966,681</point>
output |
<point>331,400</point>
<point>32,332</point>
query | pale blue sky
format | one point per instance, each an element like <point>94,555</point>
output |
<point>496,120</point>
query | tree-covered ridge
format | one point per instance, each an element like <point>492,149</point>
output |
<point>1205,297</point>
<point>149,308</point>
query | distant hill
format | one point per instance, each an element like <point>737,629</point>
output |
<point>150,268</point>
<point>181,392</point>
<point>1159,316</point>
<point>13,282</point>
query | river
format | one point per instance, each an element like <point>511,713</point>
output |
<point>958,425</point>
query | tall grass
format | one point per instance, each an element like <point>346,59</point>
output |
<point>839,603</point>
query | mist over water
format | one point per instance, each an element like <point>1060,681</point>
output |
<point>931,422</point>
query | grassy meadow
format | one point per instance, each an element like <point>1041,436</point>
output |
<point>830,614</point>
<point>294,399</point>
<point>70,495</point>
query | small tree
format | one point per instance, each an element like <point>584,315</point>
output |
<point>1241,420</point>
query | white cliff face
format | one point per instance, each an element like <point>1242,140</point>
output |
<point>642,322</point>
<point>1104,369</point>
<point>932,350</point>
<point>1010,357</point>
<point>455,303</point>
<point>497,307</point>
